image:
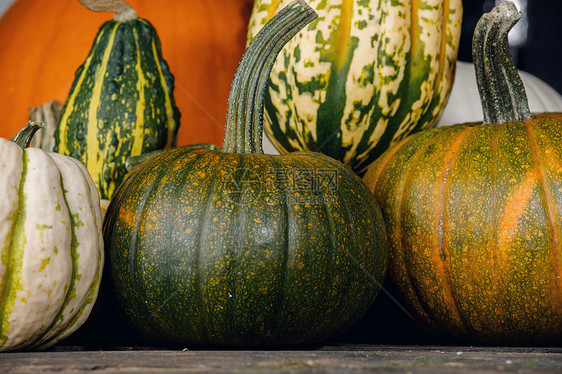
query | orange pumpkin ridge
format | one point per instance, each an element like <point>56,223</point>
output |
<point>441,255</point>
<point>550,203</point>
<point>396,237</point>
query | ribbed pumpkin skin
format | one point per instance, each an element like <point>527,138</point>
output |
<point>473,215</point>
<point>361,77</point>
<point>121,103</point>
<point>197,258</point>
<point>52,255</point>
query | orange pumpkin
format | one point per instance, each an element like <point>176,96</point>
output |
<point>45,41</point>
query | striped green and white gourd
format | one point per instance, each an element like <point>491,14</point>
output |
<point>121,103</point>
<point>52,255</point>
<point>362,76</point>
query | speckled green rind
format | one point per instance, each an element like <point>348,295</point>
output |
<point>361,77</point>
<point>121,103</point>
<point>199,258</point>
<point>473,215</point>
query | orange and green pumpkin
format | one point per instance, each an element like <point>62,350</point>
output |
<point>361,77</point>
<point>239,248</point>
<point>473,211</point>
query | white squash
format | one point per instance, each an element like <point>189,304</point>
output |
<point>52,247</point>
<point>464,103</point>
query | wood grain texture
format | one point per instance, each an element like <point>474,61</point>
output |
<point>327,359</point>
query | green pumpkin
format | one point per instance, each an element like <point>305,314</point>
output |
<point>361,77</point>
<point>239,248</point>
<point>121,103</point>
<point>473,210</point>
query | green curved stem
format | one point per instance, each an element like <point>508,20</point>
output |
<point>244,121</point>
<point>24,136</point>
<point>501,89</point>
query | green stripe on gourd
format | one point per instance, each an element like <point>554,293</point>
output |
<point>12,259</point>
<point>361,77</point>
<point>121,103</point>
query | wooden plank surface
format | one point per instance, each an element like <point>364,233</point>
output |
<point>326,359</point>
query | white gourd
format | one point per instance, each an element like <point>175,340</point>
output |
<point>51,257</point>
<point>464,103</point>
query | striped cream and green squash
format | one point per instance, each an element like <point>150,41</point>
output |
<point>234,247</point>
<point>52,255</point>
<point>473,211</point>
<point>121,103</point>
<point>362,76</point>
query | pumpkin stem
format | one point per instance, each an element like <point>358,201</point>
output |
<point>244,121</point>
<point>501,89</point>
<point>49,115</point>
<point>122,12</point>
<point>24,136</point>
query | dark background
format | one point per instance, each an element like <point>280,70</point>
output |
<point>540,50</point>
